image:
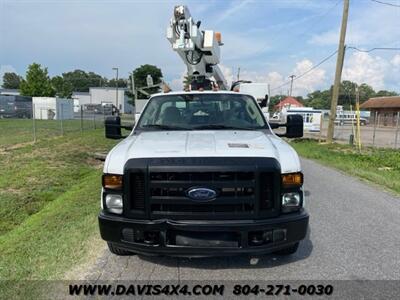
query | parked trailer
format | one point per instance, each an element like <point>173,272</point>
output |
<point>53,108</point>
<point>311,117</point>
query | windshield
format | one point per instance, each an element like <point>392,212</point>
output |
<point>201,112</point>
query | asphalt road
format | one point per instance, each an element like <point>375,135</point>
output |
<point>354,234</point>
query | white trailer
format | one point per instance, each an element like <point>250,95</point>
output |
<point>311,117</point>
<point>52,108</point>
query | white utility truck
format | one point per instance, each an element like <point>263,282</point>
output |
<point>202,173</point>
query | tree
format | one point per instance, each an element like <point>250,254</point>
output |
<point>319,99</point>
<point>384,93</point>
<point>82,81</point>
<point>37,83</point>
<point>140,75</point>
<point>366,92</point>
<point>122,83</point>
<point>274,100</point>
<point>347,93</point>
<point>187,80</point>
<point>62,87</point>
<point>11,80</point>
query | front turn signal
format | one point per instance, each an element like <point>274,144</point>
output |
<point>292,180</point>
<point>112,181</point>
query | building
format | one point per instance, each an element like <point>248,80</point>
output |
<point>385,109</point>
<point>103,95</point>
<point>80,98</point>
<point>10,92</point>
<point>287,103</point>
<point>52,108</point>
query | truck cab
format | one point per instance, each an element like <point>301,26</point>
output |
<point>202,174</point>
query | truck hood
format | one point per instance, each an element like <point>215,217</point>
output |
<point>205,143</point>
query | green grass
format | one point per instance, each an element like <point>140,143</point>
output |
<point>380,166</point>
<point>49,202</point>
<point>17,131</point>
<point>33,175</point>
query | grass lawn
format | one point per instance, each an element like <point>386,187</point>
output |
<point>49,200</point>
<point>381,166</point>
<point>17,131</point>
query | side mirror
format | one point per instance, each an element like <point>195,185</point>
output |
<point>113,127</point>
<point>294,126</point>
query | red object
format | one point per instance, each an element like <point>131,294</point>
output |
<point>288,102</point>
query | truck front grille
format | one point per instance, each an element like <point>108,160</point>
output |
<point>244,190</point>
<point>236,194</point>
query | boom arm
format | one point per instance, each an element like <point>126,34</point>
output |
<point>199,50</point>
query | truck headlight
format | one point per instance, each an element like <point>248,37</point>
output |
<point>114,203</point>
<point>291,202</point>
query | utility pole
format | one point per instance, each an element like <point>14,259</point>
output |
<point>291,84</point>
<point>338,72</point>
<point>116,89</point>
<point>238,74</point>
<point>358,132</point>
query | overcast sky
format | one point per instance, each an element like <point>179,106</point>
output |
<point>269,40</point>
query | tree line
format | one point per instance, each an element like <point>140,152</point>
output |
<point>321,99</point>
<point>38,83</point>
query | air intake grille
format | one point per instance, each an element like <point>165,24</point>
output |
<point>266,191</point>
<point>137,190</point>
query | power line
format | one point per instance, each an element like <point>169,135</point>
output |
<point>316,20</point>
<point>306,72</point>
<point>373,49</point>
<point>385,3</point>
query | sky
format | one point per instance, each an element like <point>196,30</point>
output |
<point>268,39</point>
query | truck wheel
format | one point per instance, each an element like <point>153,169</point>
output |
<point>287,251</point>
<point>118,251</point>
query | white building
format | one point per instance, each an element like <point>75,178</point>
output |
<point>11,92</point>
<point>104,95</point>
<point>80,98</point>
<point>52,108</point>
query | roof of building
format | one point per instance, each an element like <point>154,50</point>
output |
<point>107,88</point>
<point>288,101</point>
<point>7,91</point>
<point>80,93</point>
<point>382,102</point>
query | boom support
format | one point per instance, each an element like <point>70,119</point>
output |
<point>199,50</point>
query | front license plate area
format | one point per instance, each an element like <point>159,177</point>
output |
<point>204,239</point>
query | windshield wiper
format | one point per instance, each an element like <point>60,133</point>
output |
<point>221,126</point>
<point>165,127</point>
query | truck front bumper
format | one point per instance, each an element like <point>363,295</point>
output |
<point>198,238</point>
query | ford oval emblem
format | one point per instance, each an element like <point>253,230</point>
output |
<point>201,194</point>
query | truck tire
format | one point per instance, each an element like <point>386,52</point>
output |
<point>118,251</point>
<point>287,251</point>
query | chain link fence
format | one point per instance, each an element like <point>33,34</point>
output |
<point>30,122</point>
<point>376,132</point>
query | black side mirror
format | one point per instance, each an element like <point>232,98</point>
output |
<point>294,126</point>
<point>113,127</point>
